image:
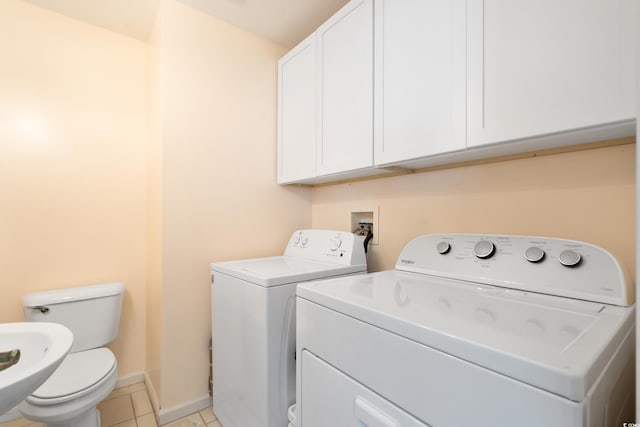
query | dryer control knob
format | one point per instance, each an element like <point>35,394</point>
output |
<point>335,243</point>
<point>534,254</point>
<point>484,249</point>
<point>305,241</point>
<point>296,240</point>
<point>569,258</point>
<point>443,248</point>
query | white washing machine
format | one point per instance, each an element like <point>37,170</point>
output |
<point>253,307</point>
<point>471,330</point>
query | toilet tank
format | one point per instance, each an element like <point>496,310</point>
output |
<point>91,312</point>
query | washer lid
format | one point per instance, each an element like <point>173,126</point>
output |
<point>281,270</point>
<point>557,344</point>
<point>77,372</point>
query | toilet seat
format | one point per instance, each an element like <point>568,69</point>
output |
<point>78,375</point>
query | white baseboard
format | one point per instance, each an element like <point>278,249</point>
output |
<point>164,416</point>
<point>126,380</point>
<point>130,379</point>
<point>176,412</point>
<point>153,397</point>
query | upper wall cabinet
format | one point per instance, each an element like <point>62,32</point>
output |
<point>345,90</point>
<point>420,78</point>
<point>297,112</point>
<point>454,80</point>
<point>546,66</point>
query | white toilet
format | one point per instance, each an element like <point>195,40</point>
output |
<point>89,372</point>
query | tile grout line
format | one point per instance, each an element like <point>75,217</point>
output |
<point>123,413</point>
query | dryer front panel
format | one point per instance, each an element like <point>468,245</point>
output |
<point>436,388</point>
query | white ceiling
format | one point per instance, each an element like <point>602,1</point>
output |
<point>285,22</point>
<point>130,17</point>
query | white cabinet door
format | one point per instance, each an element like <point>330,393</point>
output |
<point>420,78</point>
<point>297,112</point>
<point>345,56</point>
<point>546,66</point>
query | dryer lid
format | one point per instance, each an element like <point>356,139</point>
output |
<point>557,344</point>
<point>77,372</point>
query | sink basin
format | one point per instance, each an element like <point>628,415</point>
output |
<point>42,347</point>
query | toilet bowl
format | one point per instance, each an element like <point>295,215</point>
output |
<point>69,398</point>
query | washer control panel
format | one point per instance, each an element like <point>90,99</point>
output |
<point>340,247</point>
<point>534,254</point>
<point>538,264</point>
<point>484,249</point>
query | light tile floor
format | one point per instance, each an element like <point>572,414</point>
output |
<point>130,407</point>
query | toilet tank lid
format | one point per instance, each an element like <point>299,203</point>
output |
<point>77,293</point>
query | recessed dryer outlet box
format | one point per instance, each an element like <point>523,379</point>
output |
<point>368,215</point>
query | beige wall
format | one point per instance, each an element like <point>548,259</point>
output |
<point>121,160</point>
<point>585,195</point>
<point>220,200</point>
<point>72,133</point>
<point>154,213</point>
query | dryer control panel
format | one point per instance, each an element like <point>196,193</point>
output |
<point>551,266</point>
<point>341,247</point>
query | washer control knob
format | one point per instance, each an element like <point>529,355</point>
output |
<point>305,241</point>
<point>296,240</point>
<point>443,248</point>
<point>335,243</point>
<point>569,258</point>
<point>534,254</point>
<point>484,249</point>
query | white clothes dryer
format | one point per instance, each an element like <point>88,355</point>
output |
<point>253,314</point>
<point>471,330</point>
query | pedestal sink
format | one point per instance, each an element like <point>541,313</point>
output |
<point>42,348</point>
